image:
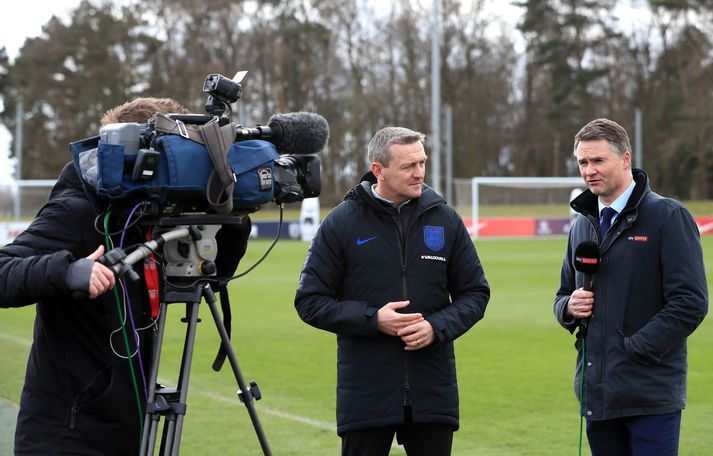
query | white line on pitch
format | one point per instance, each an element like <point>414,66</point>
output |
<point>16,339</point>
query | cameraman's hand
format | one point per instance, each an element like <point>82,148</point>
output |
<point>101,278</point>
<point>390,322</point>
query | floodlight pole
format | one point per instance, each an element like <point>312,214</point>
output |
<point>19,116</point>
<point>638,154</point>
<point>436,96</point>
<point>17,199</point>
<point>449,154</point>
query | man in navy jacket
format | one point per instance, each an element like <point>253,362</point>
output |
<point>647,296</point>
<point>393,272</point>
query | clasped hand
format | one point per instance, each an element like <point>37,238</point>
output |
<point>414,330</point>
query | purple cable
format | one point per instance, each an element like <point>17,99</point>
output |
<point>130,313</point>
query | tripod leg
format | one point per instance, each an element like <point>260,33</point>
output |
<point>176,427</point>
<point>167,402</point>
<point>228,348</point>
<point>148,440</point>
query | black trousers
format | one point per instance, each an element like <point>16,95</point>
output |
<point>423,439</point>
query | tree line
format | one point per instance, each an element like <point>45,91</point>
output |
<point>518,95</point>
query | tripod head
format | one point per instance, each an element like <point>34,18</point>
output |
<point>188,242</point>
<point>192,256</point>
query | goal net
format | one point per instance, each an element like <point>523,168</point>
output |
<point>516,206</point>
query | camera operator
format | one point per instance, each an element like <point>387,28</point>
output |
<point>81,394</point>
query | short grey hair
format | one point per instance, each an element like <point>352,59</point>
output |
<point>383,139</point>
<point>606,129</point>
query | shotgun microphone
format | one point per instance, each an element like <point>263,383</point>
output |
<point>297,133</point>
<point>586,261</point>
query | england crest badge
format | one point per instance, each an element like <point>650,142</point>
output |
<point>434,237</point>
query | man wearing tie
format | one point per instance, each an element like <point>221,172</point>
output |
<point>648,295</point>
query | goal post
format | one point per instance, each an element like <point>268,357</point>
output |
<point>21,199</point>
<point>513,200</point>
<point>19,202</point>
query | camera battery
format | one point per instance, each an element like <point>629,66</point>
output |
<point>145,165</point>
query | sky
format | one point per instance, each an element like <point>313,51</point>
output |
<point>16,25</point>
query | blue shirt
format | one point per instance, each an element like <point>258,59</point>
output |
<point>620,203</point>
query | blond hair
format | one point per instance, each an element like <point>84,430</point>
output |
<point>141,110</point>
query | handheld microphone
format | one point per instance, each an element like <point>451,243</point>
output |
<point>586,260</point>
<point>298,133</point>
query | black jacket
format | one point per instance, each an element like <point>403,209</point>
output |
<point>78,396</point>
<point>366,254</point>
<point>650,293</point>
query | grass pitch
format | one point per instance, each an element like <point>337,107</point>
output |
<point>515,367</point>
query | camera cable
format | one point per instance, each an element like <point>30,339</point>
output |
<point>269,249</point>
<point>126,339</point>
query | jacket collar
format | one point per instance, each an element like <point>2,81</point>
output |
<point>67,182</point>
<point>586,202</point>
<point>363,192</point>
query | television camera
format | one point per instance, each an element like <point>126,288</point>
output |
<point>188,163</point>
<point>188,176</point>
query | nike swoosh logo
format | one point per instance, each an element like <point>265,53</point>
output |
<point>364,241</point>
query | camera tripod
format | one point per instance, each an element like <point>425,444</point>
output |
<point>170,403</point>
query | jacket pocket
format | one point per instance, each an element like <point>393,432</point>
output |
<point>94,396</point>
<point>629,350</point>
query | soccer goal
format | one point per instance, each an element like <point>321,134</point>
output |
<point>516,206</point>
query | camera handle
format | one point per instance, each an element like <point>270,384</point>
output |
<point>170,403</point>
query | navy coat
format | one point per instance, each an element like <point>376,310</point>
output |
<point>366,254</point>
<point>650,293</point>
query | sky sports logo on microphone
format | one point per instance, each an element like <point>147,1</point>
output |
<point>586,260</point>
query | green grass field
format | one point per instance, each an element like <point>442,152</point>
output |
<point>515,367</point>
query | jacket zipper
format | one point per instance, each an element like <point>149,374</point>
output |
<point>407,384</point>
<point>74,408</point>
<point>592,221</point>
<point>73,417</point>
<point>402,249</point>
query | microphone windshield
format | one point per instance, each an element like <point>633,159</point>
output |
<point>586,257</point>
<point>299,132</point>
